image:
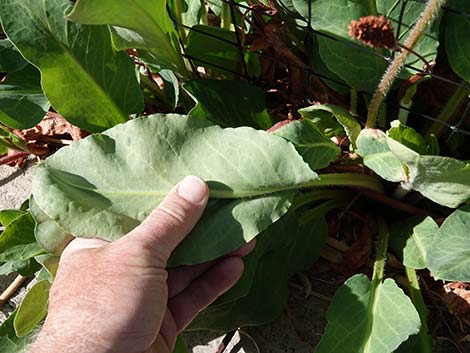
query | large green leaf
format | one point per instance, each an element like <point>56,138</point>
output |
<point>10,58</point>
<point>229,103</point>
<point>443,180</point>
<point>23,267</point>
<point>83,78</point>
<point>32,309</point>
<point>285,248</point>
<point>449,256</point>
<point>412,239</point>
<point>17,241</point>
<point>364,319</point>
<point>9,342</point>
<point>457,27</point>
<point>151,26</point>
<point>253,176</point>
<point>22,102</point>
<point>316,149</point>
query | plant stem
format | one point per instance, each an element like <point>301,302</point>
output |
<point>12,288</point>
<point>203,13</point>
<point>345,179</point>
<point>178,5</point>
<point>430,12</point>
<point>380,253</point>
<point>373,7</point>
<point>449,110</point>
<point>417,299</point>
<point>150,84</point>
<point>226,17</point>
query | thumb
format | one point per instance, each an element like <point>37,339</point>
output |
<point>172,220</point>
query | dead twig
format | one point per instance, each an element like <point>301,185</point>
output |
<point>11,290</point>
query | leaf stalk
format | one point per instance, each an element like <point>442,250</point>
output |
<point>417,299</point>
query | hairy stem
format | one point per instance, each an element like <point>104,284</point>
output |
<point>417,299</point>
<point>345,179</point>
<point>430,12</point>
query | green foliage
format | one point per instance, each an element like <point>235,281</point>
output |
<point>457,27</point>
<point>83,78</point>
<point>148,27</point>
<point>247,197</point>
<point>262,184</point>
<point>22,102</point>
<point>443,180</point>
<point>368,319</point>
<point>9,341</point>
<point>412,239</point>
<point>316,149</point>
<point>449,256</point>
<point>32,309</point>
<point>229,103</point>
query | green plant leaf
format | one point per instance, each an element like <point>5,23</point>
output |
<point>8,216</point>
<point>457,27</point>
<point>412,239</point>
<point>408,136</point>
<point>229,103</point>
<point>316,149</point>
<point>171,86</point>
<point>443,180</point>
<point>49,263</point>
<point>83,78</point>
<point>214,48</point>
<point>9,341</point>
<point>250,188</point>
<point>344,118</point>
<point>287,247</point>
<point>25,268</point>
<point>150,27</point>
<point>17,241</point>
<point>32,309</point>
<point>449,256</point>
<point>22,102</point>
<point>373,147</point>
<point>10,58</point>
<point>365,319</point>
<point>49,235</point>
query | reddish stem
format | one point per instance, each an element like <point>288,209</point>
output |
<point>13,157</point>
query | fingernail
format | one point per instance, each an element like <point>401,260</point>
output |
<point>192,189</point>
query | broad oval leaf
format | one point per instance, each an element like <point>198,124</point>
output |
<point>148,19</point>
<point>457,27</point>
<point>9,342</point>
<point>412,240</point>
<point>10,58</point>
<point>22,102</point>
<point>32,309</point>
<point>83,78</point>
<point>364,319</point>
<point>316,149</point>
<point>17,242</point>
<point>106,184</point>
<point>449,256</point>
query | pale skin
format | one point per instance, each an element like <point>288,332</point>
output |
<point>119,297</point>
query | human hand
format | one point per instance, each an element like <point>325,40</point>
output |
<point>118,297</point>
